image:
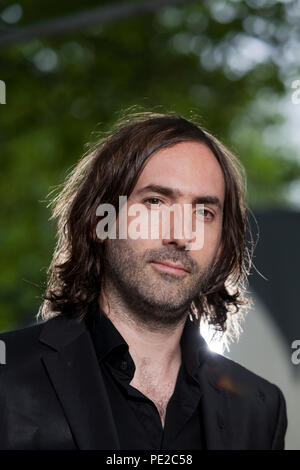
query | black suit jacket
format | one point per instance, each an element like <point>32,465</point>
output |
<point>52,396</point>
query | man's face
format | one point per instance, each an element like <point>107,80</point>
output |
<point>155,293</point>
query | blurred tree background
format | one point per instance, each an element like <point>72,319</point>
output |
<point>230,64</point>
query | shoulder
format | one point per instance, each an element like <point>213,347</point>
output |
<point>21,334</point>
<point>239,374</point>
<point>21,344</point>
<point>28,343</point>
<point>249,398</point>
<point>239,381</point>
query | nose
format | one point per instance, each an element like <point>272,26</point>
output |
<point>177,227</point>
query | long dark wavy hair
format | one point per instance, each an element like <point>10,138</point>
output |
<point>111,168</point>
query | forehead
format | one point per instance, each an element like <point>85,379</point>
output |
<point>190,167</point>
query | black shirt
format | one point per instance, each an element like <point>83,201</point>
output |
<point>136,417</point>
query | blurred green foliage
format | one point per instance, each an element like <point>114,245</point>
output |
<point>225,63</point>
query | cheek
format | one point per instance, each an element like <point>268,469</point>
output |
<point>132,224</point>
<point>140,245</point>
<point>139,224</point>
<point>211,237</point>
<point>211,241</point>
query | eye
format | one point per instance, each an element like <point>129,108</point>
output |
<point>209,213</point>
<point>153,199</point>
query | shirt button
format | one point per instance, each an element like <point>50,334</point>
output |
<point>123,365</point>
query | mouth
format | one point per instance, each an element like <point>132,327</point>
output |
<point>169,267</point>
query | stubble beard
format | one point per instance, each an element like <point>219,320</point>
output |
<point>153,299</point>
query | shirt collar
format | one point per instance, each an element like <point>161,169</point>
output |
<point>107,340</point>
<point>105,335</point>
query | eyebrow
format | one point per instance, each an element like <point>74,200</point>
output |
<point>175,194</point>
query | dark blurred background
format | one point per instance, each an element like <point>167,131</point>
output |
<point>71,68</point>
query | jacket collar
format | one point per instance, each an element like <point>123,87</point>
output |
<point>59,331</point>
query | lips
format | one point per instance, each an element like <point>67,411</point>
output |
<point>178,267</point>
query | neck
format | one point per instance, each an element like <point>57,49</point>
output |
<point>157,348</point>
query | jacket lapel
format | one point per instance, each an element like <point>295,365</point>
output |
<point>75,374</point>
<point>215,406</point>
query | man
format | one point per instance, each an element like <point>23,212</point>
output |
<point>118,362</point>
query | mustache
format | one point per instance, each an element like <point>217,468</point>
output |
<point>161,256</point>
